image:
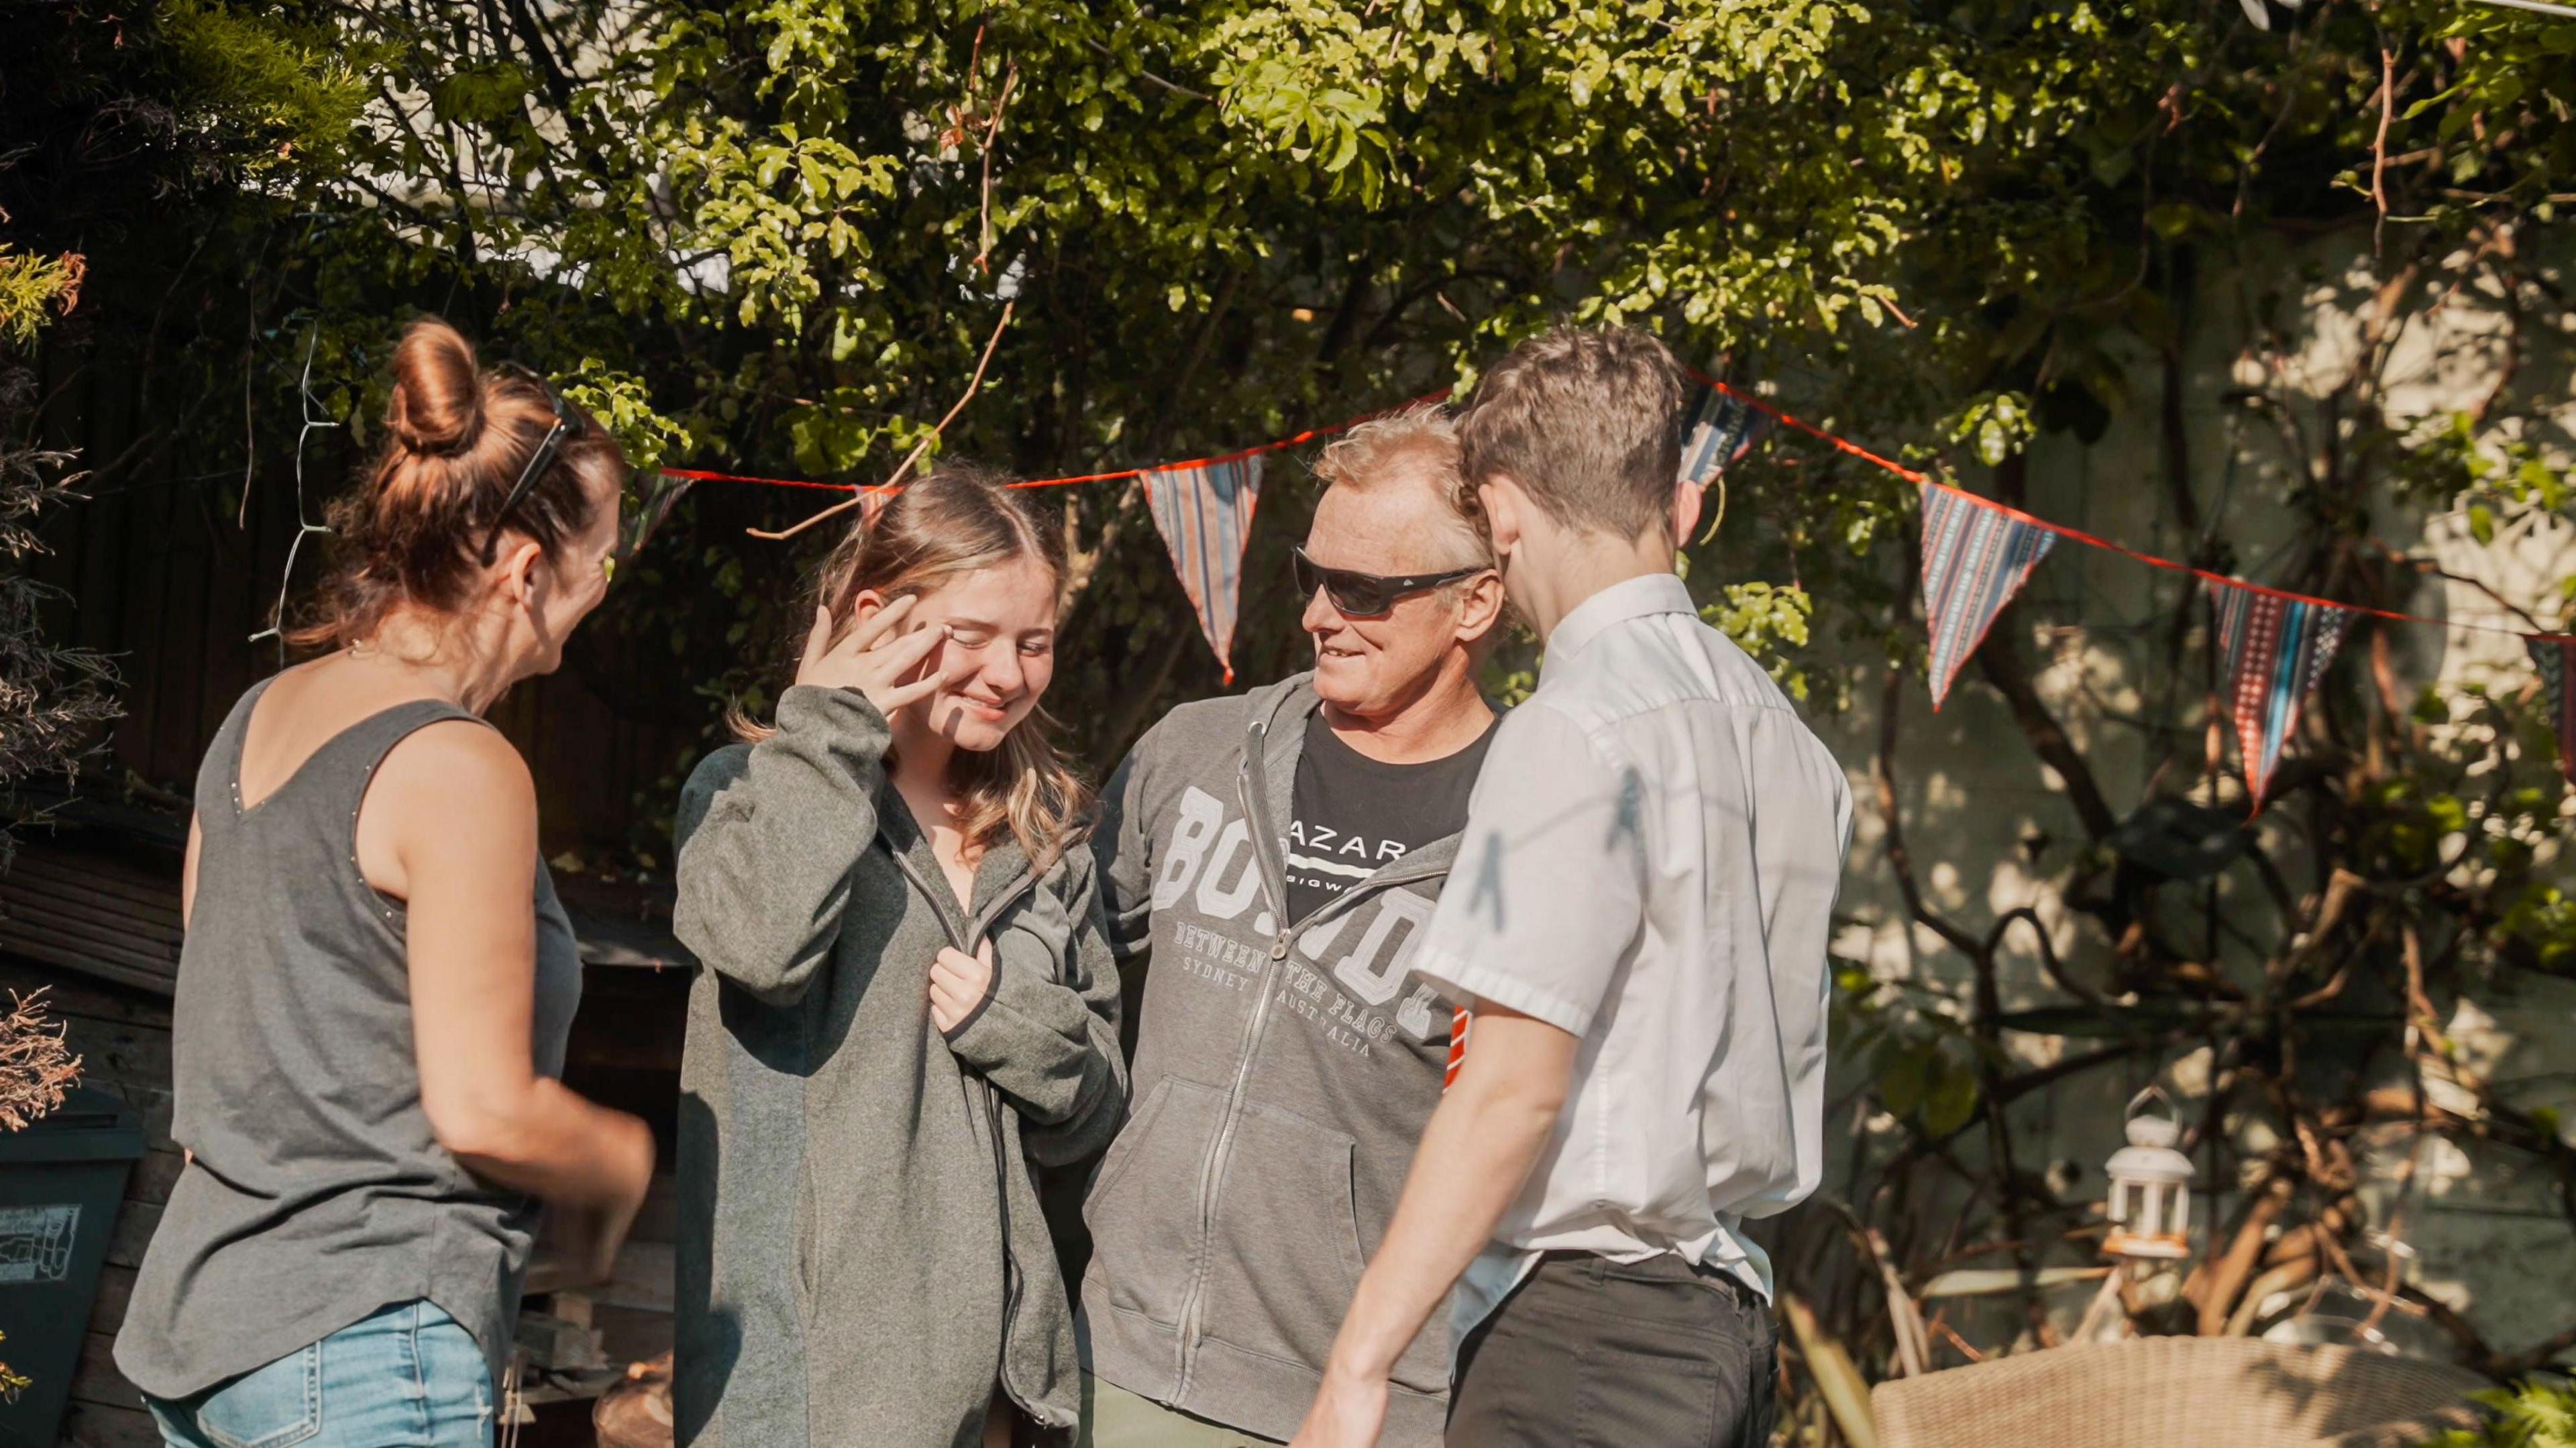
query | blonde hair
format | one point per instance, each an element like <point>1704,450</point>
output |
<point>457,437</point>
<point>962,519</point>
<point>1418,442</point>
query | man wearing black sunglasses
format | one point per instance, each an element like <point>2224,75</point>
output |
<point>1270,856</point>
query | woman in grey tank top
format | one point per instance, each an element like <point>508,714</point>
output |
<point>378,979</point>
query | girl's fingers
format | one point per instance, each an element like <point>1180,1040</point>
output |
<point>867,634</point>
<point>949,999</point>
<point>903,653</point>
<point>818,640</point>
<point>897,696</point>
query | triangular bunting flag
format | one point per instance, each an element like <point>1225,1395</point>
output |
<point>2277,649</point>
<point>1204,513</point>
<point>2555,656</point>
<point>1718,429</point>
<point>1974,560</point>
<point>650,497</point>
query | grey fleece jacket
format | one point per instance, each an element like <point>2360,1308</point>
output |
<point>862,1253</point>
<point>1283,1076</point>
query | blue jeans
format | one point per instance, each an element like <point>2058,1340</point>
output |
<point>406,1377</point>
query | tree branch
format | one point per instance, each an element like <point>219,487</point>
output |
<point>1898,860</point>
<point>1999,660</point>
<point>860,496</point>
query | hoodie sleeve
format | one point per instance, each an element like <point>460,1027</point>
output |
<point>1124,849</point>
<point>768,836</point>
<point>1051,1046</point>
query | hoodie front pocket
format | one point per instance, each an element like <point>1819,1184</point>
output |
<point>1143,1211</point>
<point>1285,1253</point>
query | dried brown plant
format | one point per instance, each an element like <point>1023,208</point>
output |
<point>36,1066</point>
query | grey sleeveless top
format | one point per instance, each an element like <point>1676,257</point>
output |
<point>318,1193</point>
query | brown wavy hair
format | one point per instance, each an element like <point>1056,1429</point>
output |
<point>457,437</point>
<point>961,519</point>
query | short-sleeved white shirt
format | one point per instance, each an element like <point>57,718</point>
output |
<point>1650,863</point>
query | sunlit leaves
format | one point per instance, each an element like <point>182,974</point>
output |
<point>1767,622</point>
<point>622,403</point>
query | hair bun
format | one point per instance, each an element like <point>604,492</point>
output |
<point>438,392</point>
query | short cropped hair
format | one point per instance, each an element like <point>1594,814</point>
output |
<point>1418,443</point>
<point>1587,421</point>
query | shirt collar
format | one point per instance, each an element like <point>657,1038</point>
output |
<point>1640,597</point>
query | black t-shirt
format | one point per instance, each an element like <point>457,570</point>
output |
<point>1353,815</point>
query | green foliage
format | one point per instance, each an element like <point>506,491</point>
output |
<point>31,289</point>
<point>1768,623</point>
<point>1993,427</point>
<point>2533,1413</point>
<point>267,95</point>
<point>788,226</point>
<point>620,402</point>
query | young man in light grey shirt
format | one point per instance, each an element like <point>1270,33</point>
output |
<point>1637,918</point>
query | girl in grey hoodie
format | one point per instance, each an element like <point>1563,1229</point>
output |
<point>907,1012</point>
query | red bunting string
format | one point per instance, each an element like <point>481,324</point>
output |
<point>697,475</point>
<point>1818,433</point>
<point>2079,535</point>
<point>1783,418</point>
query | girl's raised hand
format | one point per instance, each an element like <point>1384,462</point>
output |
<point>876,660</point>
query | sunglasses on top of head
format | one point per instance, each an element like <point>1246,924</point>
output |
<point>648,497</point>
<point>566,422</point>
<point>1366,595</point>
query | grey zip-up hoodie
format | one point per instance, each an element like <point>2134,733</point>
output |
<point>1283,1076</point>
<point>862,1252</point>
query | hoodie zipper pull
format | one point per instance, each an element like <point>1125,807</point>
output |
<point>1279,947</point>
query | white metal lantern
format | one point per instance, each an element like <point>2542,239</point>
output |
<point>2150,1203</point>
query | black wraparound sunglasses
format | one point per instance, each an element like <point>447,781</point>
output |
<point>1366,595</point>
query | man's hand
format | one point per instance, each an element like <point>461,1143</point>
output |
<point>1479,1147</point>
<point>1348,1412</point>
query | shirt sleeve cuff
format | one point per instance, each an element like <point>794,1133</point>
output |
<point>1464,981</point>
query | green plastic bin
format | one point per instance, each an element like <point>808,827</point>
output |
<point>60,1182</point>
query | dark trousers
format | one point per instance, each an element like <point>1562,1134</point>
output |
<point>1590,1352</point>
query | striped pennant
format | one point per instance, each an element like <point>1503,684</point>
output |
<point>1974,560</point>
<point>1718,429</point>
<point>2555,656</point>
<point>1204,513</point>
<point>1461,1021</point>
<point>651,494</point>
<point>2277,650</point>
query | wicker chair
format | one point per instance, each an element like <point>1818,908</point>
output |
<point>2179,1392</point>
